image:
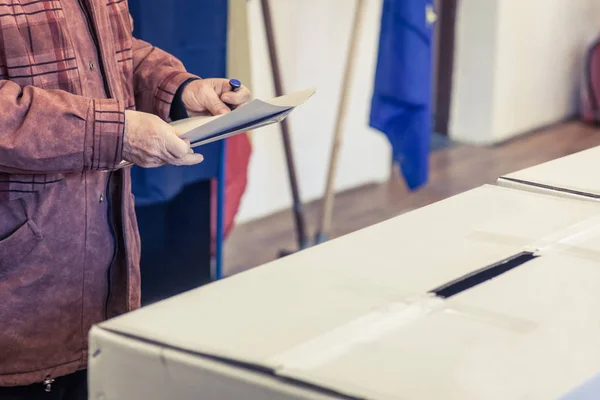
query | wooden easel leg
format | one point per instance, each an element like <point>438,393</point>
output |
<point>327,210</point>
<point>298,209</point>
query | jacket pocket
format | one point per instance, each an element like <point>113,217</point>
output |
<point>17,246</point>
<point>19,186</point>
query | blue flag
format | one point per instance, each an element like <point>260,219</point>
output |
<point>401,104</point>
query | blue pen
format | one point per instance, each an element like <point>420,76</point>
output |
<point>235,86</point>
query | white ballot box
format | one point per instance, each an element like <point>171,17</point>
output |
<point>491,294</point>
<point>576,176</point>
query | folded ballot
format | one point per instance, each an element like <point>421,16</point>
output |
<point>201,130</point>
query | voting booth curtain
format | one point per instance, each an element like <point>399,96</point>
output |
<point>176,206</point>
<point>202,48</point>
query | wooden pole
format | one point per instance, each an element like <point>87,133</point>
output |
<point>327,210</point>
<point>298,210</point>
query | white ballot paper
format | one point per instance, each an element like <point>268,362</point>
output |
<point>201,130</point>
<point>256,114</point>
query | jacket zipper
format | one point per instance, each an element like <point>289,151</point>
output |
<point>48,384</point>
<point>115,244</point>
<point>87,12</point>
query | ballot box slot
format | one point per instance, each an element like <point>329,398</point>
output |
<point>480,276</point>
<point>554,188</point>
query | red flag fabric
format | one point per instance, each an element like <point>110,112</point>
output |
<point>239,150</point>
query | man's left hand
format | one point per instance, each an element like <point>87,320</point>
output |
<point>213,96</point>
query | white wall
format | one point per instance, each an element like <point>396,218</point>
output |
<point>312,38</point>
<point>518,65</point>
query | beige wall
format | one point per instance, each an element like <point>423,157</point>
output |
<point>518,65</point>
<point>312,38</point>
<point>238,42</point>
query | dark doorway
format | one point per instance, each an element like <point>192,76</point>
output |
<point>443,60</point>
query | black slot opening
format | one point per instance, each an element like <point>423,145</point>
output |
<point>478,277</point>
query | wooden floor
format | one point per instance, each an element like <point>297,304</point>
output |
<point>453,170</point>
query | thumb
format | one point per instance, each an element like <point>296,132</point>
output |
<point>214,104</point>
<point>175,145</point>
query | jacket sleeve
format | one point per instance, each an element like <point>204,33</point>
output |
<point>157,76</point>
<point>53,131</point>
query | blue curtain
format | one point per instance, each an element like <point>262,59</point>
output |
<point>401,104</point>
<point>195,31</point>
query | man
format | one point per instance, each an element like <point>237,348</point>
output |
<point>78,95</point>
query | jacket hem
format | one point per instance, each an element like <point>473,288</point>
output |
<point>33,377</point>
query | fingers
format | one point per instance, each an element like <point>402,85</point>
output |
<point>214,95</point>
<point>238,98</point>
<point>214,104</point>
<point>189,159</point>
<point>179,151</point>
<point>175,146</point>
<point>150,142</point>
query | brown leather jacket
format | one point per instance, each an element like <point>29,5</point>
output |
<point>69,245</point>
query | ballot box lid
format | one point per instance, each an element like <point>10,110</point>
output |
<point>336,320</point>
<point>530,333</point>
<point>575,175</point>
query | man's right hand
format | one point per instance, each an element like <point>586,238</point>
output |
<point>150,142</point>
